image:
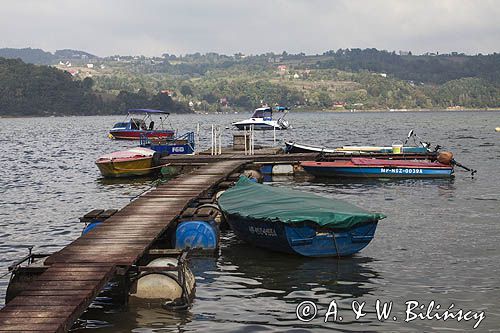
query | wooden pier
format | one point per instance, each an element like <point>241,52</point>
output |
<point>76,274</point>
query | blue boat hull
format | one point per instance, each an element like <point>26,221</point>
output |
<point>173,149</point>
<point>182,145</point>
<point>302,239</point>
<point>382,172</point>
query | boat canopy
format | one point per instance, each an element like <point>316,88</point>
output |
<point>147,111</point>
<point>278,204</point>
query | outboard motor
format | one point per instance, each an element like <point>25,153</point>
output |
<point>445,157</point>
<point>283,123</point>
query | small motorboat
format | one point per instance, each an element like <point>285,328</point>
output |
<point>397,147</point>
<point>383,168</point>
<point>131,162</point>
<point>262,119</point>
<point>180,145</point>
<point>295,222</point>
<point>133,128</point>
<point>293,148</point>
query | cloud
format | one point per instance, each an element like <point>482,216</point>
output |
<point>255,26</point>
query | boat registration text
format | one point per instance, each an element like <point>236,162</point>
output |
<point>270,232</point>
<point>399,170</point>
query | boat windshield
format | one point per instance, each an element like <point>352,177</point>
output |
<point>137,124</point>
<point>267,114</point>
<point>120,125</point>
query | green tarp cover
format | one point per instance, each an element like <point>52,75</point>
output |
<point>271,203</point>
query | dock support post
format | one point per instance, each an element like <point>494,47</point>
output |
<point>212,143</point>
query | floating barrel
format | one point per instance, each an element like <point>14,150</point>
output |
<point>266,169</point>
<point>197,234</point>
<point>90,226</point>
<point>282,169</point>
<point>164,285</point>
<point>95,217</point>
<point>218,194</point>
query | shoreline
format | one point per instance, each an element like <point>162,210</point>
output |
<point>295,110</point>
<point>410,110</point>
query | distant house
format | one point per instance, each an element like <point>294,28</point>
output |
<point>223,101</point>
<point>282,69</point>
<point>274,59</point>
<point>383,74</point>
<point>90,65</point>
<point>296,76</point>
<point>167,92</point>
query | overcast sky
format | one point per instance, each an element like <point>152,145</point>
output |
<point>154,27</point>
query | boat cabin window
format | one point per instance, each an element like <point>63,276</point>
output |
<point>267,114</point>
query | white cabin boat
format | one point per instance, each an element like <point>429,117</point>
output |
<point>262,119</point>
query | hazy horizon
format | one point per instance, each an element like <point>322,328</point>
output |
<point>227,54</point>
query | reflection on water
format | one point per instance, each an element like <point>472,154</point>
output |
<point>439,241</point>
<point>241,289</point>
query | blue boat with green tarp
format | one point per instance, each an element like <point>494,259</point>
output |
<point>291,221</point>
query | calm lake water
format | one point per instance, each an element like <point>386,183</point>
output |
<point>439,242</point>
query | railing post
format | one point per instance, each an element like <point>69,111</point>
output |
<point>252,140</point>
<point>245,138</point>
<point>212,143</point>
<point>220,140</point>
<point>197,139</point>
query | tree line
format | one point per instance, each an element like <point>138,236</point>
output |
<point>36,90</point>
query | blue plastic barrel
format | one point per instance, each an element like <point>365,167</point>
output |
<point>197,234</point>
<point>91,226</point>
<point>266,169</point>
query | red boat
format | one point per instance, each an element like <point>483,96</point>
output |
<point>134,128</point>
<point>369,167</point>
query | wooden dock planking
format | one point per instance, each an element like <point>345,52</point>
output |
<point>76,274</point>
<point>55,299</point>
<point>260,156</point>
